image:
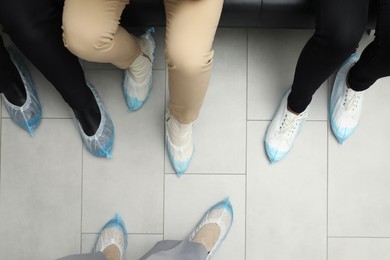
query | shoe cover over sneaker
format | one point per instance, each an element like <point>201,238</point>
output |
<point>113,233</point>
<point>136,93</point>
<point>100,144</point>
<point>282,131</point>
<point>345,103</point>
<point>28,116</point>
<point>220,214</point>
<point>179,144</point>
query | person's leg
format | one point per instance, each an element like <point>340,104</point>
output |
<point>176,250</point>
<point>110,245</point>
<point>91,31</point>
<point>374,62</point>
<point>358,75</point>
<point>203,241</point>
<point>11,84</point>
<point>339,27</point>
<point>35,27</point>
<point>19,93</point>
<point>191,27</point>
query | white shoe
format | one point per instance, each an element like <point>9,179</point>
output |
<point>282,131</point>
<point>220,214</point>
<point>179,144</point>
<point>113,233</point>
<point>345,103</point>
<point>136,93</point>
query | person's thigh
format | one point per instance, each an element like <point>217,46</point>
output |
<point>96,20</point>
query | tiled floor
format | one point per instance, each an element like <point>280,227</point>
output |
<point>324,201</point>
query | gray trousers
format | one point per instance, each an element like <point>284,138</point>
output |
<point>163,250</point>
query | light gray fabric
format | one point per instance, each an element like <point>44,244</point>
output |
<point>176,250</point>
<point>92,256</point>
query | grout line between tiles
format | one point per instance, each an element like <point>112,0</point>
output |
<point>208,174</point>
<point>246,142</point>
<point>327,174</point>
<point>135,234</point>
<point>1,146</point>
<point>268,120</point>
<point>163,118</point>
<point>357,237</point>
<point>82,194</point>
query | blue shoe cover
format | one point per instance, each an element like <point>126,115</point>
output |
<point>343,123</point>
<point>100,144</point>
<point>179,167</point>
<point>28,116</point>
<point>341,133</point>
<point>220,214</point>
<point>137,93</point>
<point>274,155</point>
<point>113,232</point>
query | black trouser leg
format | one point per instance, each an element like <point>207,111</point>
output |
<point>11,84</point>
<point>35,27</point>
<point>5,66</point>
<point>375,60</point>
<point>339,28</point>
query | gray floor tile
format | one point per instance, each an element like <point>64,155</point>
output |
<point>359,249</point>
<point>159,62</point>
<point>219,133</point>
<point>40,191</point>
<point>130,183</point>
<point>271,67</point>
<point>358,172</point>
<point>138,244</point>
<point>286,201</point>
<point>189,197</point>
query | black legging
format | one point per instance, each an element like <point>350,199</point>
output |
<point>375,60</point>
<point>339,28</point>
<point>6,67</point>
<point>35,27</point>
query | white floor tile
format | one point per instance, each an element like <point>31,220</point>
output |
<point>359,249</point>
<point>130,183</point>
<point>189,197</point>
<point>219,133</point>
<point>40,205</point>
<point>286,201</point>
<point>138,245</point>
<point>359,169</point>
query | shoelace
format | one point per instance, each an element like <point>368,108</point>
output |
<point>352,99</point>
<point>290,122</point>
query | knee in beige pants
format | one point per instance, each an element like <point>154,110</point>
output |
<point>86,42</point>
<point>91,31</point>
<point>189,62</point>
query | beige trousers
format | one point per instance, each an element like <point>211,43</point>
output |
<point>91,31</point>
<point>191,27</point>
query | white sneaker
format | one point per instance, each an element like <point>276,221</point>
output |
<point>220,214</point>
<point>179,144</point>
<point>113,233</point>
<point>282,131</point>
<point>345,103</point>
<point>136,93</point>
